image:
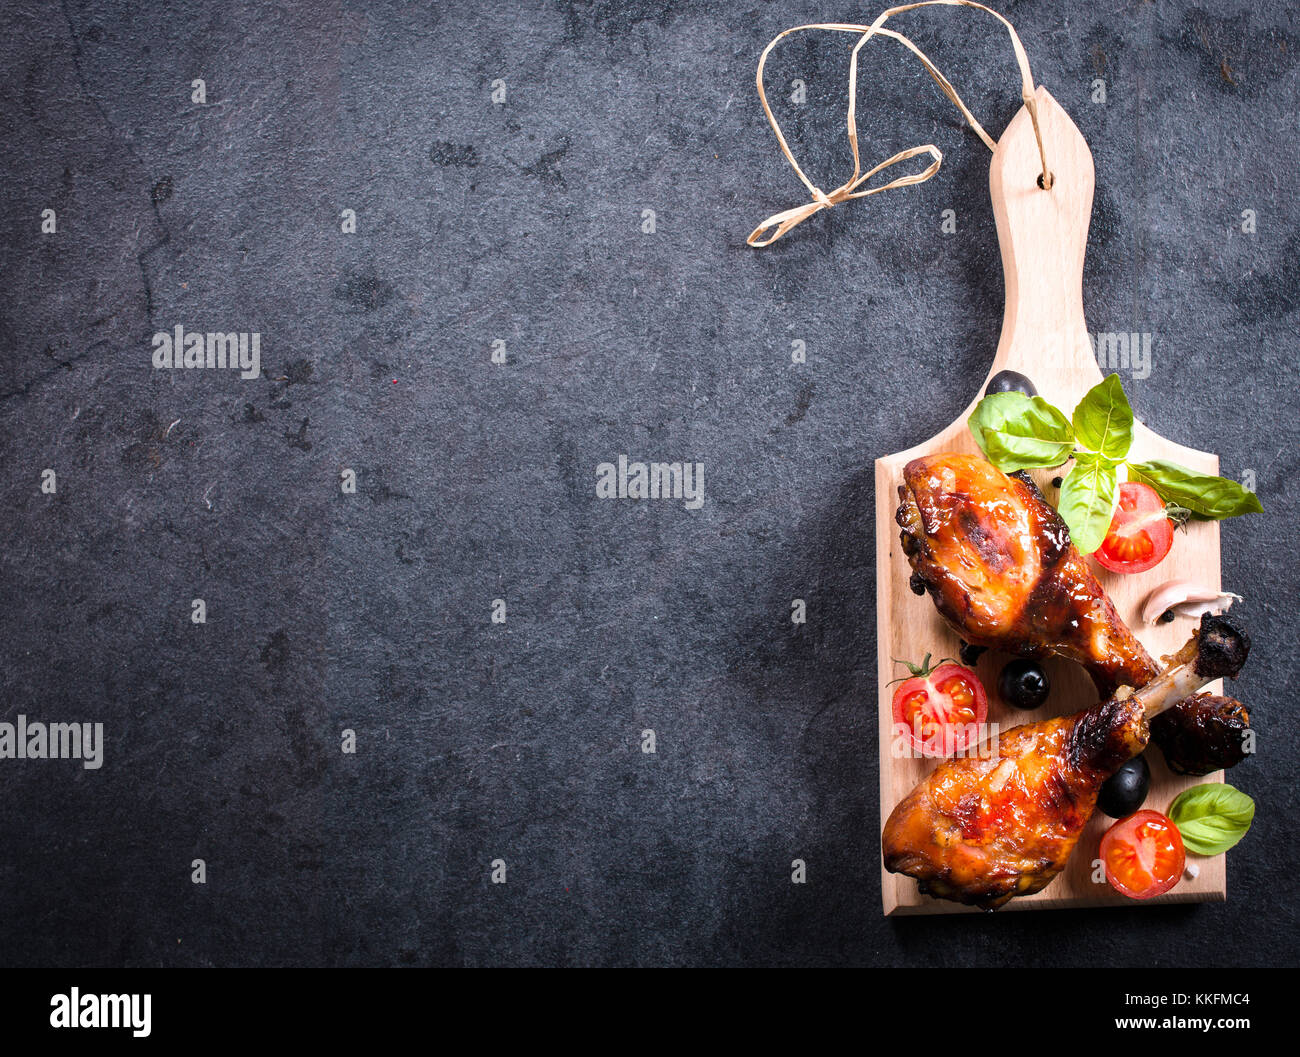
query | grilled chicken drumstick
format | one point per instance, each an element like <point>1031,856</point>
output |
<point>983,830</point>
<point>998,562</point>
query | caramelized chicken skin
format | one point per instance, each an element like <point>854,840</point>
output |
<point>983,831</point>
<point>998,562</point>
<point>1203,733</point>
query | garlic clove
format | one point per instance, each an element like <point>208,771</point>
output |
<point>1184,598</point>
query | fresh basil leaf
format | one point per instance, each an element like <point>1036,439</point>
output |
<point>1208,497</point>
<point>1019,432</point>
<point>1103,419</point>
<point>1212,817</point>
<point>1088,497</point>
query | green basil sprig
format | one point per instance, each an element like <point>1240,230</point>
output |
<point>1019,432</point>
<point>1103,421</point>
<point>1212,817</point>
<point>1088,497</point>
<point>1209,498</point>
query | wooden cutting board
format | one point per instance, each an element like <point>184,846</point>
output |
<point>1043,235</point>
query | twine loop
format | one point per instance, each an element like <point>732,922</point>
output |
<point>780,223</point>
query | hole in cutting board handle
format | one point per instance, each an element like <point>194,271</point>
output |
<point>1050,182</point>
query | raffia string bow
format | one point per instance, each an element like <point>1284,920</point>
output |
<point>780,223</point>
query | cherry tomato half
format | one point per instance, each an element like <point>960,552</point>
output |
<point>943,711</point>
<point>1140,532</point>
<point>1143,855</point>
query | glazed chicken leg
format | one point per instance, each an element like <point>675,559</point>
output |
<point>1003,821</point>
<point>998,562</point>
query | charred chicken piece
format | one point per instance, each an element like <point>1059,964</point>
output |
<point>998,562</point>
<point>1202,733</point>
<point>1002,821</point>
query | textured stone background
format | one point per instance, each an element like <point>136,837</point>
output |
<point>521,222</point>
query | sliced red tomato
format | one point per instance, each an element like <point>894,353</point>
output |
<point>941,710</point>
<point>1140,532</point>
<point>1143,855</point>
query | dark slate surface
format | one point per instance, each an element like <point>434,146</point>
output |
<point>521,222</point>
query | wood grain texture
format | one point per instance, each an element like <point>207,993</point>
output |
<point>1043,236</point>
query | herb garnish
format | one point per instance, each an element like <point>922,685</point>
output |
<point>1019,432</point>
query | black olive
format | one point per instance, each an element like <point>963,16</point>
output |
<point>1010,382</point>
<point>970,654</point>
<point>1057,482</point>
<point>1126,790</point>
<point>1024,684</point>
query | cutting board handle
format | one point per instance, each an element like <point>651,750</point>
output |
<point>1043,234</point>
